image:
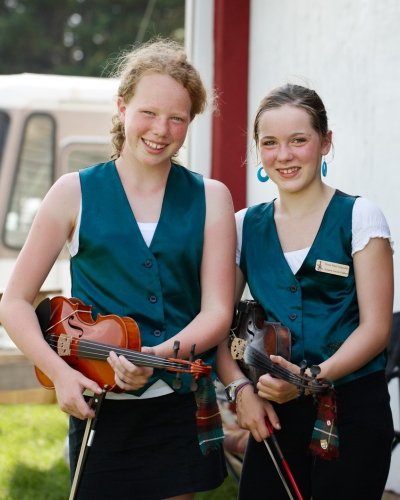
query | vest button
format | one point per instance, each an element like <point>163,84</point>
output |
<point>292,316</point>
<point>293,288</point>
<point>153,299</point>
<point>148,263</point>
<point>156,333</point>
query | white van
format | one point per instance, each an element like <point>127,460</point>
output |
<point>49,125</point>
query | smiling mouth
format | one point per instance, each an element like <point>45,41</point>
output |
<point>288,170</point>
<point>153,145</point>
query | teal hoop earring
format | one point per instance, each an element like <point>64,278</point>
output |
<point>260,177</point>
<point>324,168</point>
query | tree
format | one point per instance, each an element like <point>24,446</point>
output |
<point>77,37</point>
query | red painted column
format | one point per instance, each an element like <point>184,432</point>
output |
<point>231,61</point>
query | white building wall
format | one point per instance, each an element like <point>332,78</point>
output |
<point>199,42</point>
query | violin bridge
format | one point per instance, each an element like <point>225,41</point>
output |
<point>237,348</point>
<point>64,345</point>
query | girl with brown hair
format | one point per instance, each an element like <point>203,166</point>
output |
<point>320,262</point>
<point>141,232</point>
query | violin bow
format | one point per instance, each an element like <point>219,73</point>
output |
<point>284,462</point>
<point>87,442</point>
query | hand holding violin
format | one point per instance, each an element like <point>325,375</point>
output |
<point>128,376</point>
<point>85,345</point>
<point>275,389</point>
<point>70,385</point>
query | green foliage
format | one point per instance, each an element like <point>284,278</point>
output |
<point>76,37</point>
<point>31,464</point>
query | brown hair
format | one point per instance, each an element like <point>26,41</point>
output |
<point>294,95</point>
<point>156,56</point>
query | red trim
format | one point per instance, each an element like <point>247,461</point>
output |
<point>231,58</point>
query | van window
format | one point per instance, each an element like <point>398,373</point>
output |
<point>82,158</point>
<point>34,176</point>
<point>4,123</point>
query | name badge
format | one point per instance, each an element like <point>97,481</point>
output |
<point>324,266</point>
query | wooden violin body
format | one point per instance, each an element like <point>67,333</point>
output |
<point>251,326</point>
<point>254,339</point>
<point>85,344</point>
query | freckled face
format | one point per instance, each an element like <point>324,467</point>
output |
<point>156,120</point>
<point>290,148</point>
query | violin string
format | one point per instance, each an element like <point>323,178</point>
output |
<point>252,354</point>
<point>104,351</point>
<point>63,319</point>
<point>154,363</point>
<point>285,374</point>
<point>260,360</point>
<point>94,348</point>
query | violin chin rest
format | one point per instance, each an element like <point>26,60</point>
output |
<point>43,313</point>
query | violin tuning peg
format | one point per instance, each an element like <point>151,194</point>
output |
<point>191,355</point>
<point>303,366</point>
<point>194,386</point>
<point>301,392</point>
<point>176,348</point>
<point>315,370</point>
<point>177,384</point>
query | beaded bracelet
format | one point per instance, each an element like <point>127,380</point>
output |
<point>240,387</point>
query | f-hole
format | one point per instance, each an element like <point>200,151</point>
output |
<point>74,327</point>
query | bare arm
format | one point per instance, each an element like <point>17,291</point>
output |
<point>52,226</point>
<point>251,409</point>
<point>373,267</point>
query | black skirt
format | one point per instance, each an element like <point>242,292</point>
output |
<point>145,449</point>
<point>365,428</point>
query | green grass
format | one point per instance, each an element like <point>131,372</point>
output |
<point>31,445</point>
<point>31,463</point>
<point>228,491</point>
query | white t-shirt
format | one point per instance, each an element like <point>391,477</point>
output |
<point>368,222</point>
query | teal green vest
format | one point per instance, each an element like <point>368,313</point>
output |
<point>115,271</point>
<point>320,309</point>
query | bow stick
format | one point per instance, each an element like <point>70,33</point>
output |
<point>283,460</point>
<point>87,441</point>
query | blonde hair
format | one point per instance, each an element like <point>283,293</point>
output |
<point>161,56</point>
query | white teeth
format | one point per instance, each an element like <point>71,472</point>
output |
<point>153,145</point>
<point>288,170</point>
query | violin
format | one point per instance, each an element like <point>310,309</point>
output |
<point>85,344</point>
<point>253,339</point>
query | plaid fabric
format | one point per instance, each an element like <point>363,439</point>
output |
<point>209,422</point>
<point>325,439</point>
